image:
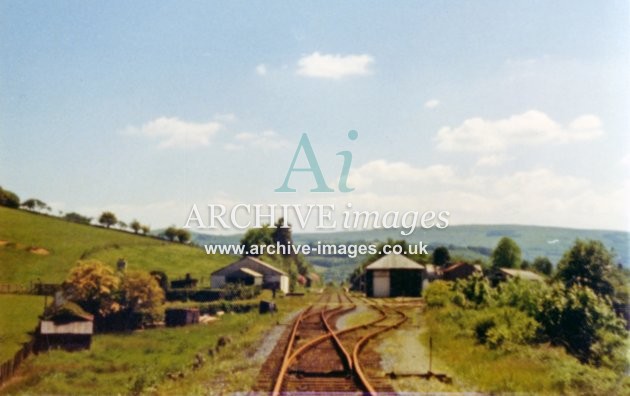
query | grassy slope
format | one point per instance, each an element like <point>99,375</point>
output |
<point>539,369</point>
<point>67,242</point>
<point>18,315</point>
<point>143,360</point>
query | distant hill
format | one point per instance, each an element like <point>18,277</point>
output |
<point>468,241</point>
<point>36,247</point>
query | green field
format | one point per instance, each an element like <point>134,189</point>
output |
<point>64,243</point>
<point>160,360</point>
<point>18,316</point>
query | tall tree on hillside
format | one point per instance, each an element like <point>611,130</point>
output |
<point>507,254</point>
<point>107,219</point>
<point>34,204</point>
<point>9,199</point>
<point>282,234</point>
<point>145,229</point>
<point>121,224</point>
<point>135,226</point>
<point>183,236</point>
<point>441,256</point>
<point>256,237</point>
<point>77,218</point>
<point>590,264</point>
<point>170,233</point>
<point>543,265</point>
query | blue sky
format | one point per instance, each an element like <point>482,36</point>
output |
<point>499,112</point>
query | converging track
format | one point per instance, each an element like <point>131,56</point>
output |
<point>314,356</point>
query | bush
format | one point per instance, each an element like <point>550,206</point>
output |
<point>438,294</point>
<point>504,327</point>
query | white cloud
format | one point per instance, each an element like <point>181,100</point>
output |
<point>334,66</point>
<point>261,69</point>
<point>265,140</point>
<point>431,104</point>
<point>530,128</point>
<point>537,196</point>
<point>171,132</point>
<point>492,160</point>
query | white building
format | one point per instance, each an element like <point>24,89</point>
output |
<point>272,278</point>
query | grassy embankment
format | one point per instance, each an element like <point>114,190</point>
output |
<point>160,360</point>
<point>540,369</point>
<point>65,243</point>
<point>36,247</point>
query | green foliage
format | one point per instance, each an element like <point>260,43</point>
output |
<point>507,254</point>
<point>585,324</point>
<point>34,204</point>
<point>543,265</point>
<point>9,199</point>
<point>170,233</point>
<point>474,291</point>
<point>107,219</point>
<point>587,263</point>
<point>504,327</point>
<point>441,256</point>
<point>135,226</point>
<point>183,236</point>
<point>438,294</point>
<point>236,291</point>
<point>77,218</point>
<point>93,286</point>
<point>257,237</point>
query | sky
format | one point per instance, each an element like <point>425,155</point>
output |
<point>498,112</point>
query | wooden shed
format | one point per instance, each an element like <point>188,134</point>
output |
<point>181,316</point>
<point>245,276</point>
<point>460,271</point>
<point>393,275</point>
<point>67,327</point>
<point>272,278</point>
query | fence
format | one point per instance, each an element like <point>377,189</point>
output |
<point>9,367</point>
<point>37,288</point>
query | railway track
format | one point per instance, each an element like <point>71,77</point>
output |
<point>313,356</point>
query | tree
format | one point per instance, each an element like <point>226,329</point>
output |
<point>121,224</point>
<point>587,263</point>
<point>107,219</point>
<point>507,254</point>
<point>34,204</point>
<point>183,236</point>
<point>77,218</point>
<point>256,237</point>
<point>93,286</point>
<point>441,256</point>
<point>282,235</point>
<point>140,291</point>
<point>135,226</point>
<point>145,229</point>
<point>543,265</point>
<point>9,199</point>
<point>525,265</point>
<point>170,233</point>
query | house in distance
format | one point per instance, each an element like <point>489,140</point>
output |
<point>394,275</point>
<point>251,271</point>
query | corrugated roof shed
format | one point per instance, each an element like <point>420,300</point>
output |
<point>394,261</point>
<point>527,275</point>
<point>251,272</point>
<point>251,263</point>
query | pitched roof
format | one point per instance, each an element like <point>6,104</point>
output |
<point>66,310</point>
<point>394,261</point>
<point>253,264</point>
<point>250,272</point>
<point>516,273</point>
<point>458,265</point>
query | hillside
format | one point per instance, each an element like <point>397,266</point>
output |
<point>36,247</point>
<point>468,241</point>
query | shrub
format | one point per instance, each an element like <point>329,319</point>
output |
<point>504,327</point>
<point>438,294</point>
